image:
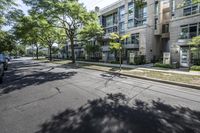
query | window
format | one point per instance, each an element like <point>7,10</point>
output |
<point>121,27</point>
<point>130,10</point>
<point>141,16</point>
<point>190,10</point>
<point>184,32</point>
<point>156,24</point>
<point>130,23</point>
<point>115,18</point>
<point>115,29</point>
<point>109,30</point>
<point>173,7</point>
<point>188,2</point>
<point>135,38</point>
<point>165,28</point>
<point>192,30</point>
<point>199,29</point>
<point>121,13</point>
<point>128,40</point>
<point>109,21</point>
<point>189,31</point>
<point>156,8</point>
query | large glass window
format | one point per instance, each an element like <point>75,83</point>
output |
<point>109,21</point>
<point>189,31</point>
<point>115,18</point>
<point>140,15</point>
<point>135,38</point>
<point>121,27</point>
<point>130,10</point>
<point>121,13</point>
<point>184,32</point>
<point>192,30</point>
<point>130,23</point>
<point>193,9</point>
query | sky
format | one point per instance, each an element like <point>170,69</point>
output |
<point>90,4</point>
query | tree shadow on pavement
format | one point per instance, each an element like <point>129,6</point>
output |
<point>112,115</point>
<point>110,76</point>
<point>19,81</point>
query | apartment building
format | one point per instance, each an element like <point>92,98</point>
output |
<point>184,24</point>
<point>147,24</point>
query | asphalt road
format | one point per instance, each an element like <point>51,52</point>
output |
<point>46,98</point>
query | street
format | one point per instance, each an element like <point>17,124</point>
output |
<point>50,98</point>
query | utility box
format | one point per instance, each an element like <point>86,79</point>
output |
<point>166,58</point>
<point>132,58</point>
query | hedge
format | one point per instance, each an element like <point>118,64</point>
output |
<point>162,65</point>
<point>195,68</point>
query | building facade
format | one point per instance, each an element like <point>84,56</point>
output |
<point>144,24</point>
<point>156,27</point>
<point>184,25</point>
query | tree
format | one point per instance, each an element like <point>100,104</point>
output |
<point>91,49</point>
<point>195,46</point>
<point>116,44</point>
<point>90,31</point>
<point>5,5</point>
<point>68,15</point>
<point>26,31</point>
<point>7,41</point>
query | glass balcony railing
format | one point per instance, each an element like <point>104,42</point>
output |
<point>188,35</point>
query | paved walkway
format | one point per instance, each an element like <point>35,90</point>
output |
<point>144,67</point>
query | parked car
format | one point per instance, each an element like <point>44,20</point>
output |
<point>4,61</point>
<point>8,57</point>
<point>1,72</point>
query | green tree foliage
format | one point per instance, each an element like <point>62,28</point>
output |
<point>19,50</point>
<point>26,31</point>
<point>90,31</point>
<point>116,44</point>
<point>91,49</point>
<point>68,15</point>
<point>195,47</point>
<point>7,41</point>
<point>5,5</point>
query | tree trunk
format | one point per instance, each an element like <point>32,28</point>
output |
<point>50,54</point>
<point>120,59</point>
<point>37,49</point>
<point>72,49</point>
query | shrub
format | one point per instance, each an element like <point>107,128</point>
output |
<point>195,68</point>
<point>162,65</point>
<point>139,59</point>
<point>114,62</point>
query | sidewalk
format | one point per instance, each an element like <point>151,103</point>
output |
<point>147,72</point>
<point>148,67</point>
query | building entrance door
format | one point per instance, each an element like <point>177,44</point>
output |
<point>184,57</point>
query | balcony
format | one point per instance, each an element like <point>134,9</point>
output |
<point>105,48</point>
<point>187,35</point>
<point>131,46</point>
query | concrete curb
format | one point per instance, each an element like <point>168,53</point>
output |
<point>152,79</point>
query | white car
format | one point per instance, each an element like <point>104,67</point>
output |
<point>1,71</point>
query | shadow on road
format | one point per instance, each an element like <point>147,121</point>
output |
<point>15,79</point>
<point>112,115</point>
